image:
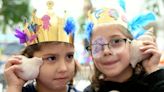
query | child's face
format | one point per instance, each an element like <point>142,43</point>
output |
<point>111,55</point>
<point>58,67</point>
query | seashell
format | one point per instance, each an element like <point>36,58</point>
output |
<point>136,55</point>
<point>30,67</point>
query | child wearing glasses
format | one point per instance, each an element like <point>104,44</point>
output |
<point>51,45</point>
<point>111,36</point>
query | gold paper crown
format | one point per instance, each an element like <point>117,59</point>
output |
<point>50,27</point>
<point>108,16</point>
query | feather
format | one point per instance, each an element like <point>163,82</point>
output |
<point>136,25</point>
<point>88,30</point>
<point>21,35</point>
<point>32,27</point>
<point>122,4</point>
<point>70,25</point>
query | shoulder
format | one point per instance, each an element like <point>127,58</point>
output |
<point>155,81</point>
<point>29,88</point>
<point>89,89</point>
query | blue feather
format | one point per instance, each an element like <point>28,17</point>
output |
<point>122,4</point>
<point>70,25</point>
<point>88,30</point>
<point>138,33</point>
<point>136,25</point>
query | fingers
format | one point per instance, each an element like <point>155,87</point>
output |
<point>10,74</point>
<point>11,70</point>
<point>12,61</point>
<point>155,53</point>
<point>143,48</point>
<point>148,45</point>
<point>150,48</point>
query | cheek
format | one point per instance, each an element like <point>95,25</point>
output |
<point>97,63</point>
<point>45,70</point>
<point>71,68</point>
<point>125,56</point>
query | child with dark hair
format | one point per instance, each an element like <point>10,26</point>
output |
<point>48,57</point>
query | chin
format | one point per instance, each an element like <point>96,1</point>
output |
<point>112,73</point>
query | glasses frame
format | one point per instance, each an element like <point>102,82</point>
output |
<point>88,48</point>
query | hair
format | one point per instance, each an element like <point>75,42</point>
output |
<point>31,49</point>
<point>98,75</point>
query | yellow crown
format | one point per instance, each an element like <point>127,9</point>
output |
<point>49,27</point>
<point>108,16</point>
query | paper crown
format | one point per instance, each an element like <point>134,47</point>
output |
<point>108,15</point>
<point>116,14</point>
<point>50,27</point>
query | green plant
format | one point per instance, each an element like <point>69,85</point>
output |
<point>12,12</point>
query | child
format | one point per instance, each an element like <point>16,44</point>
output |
<point>55,48</point>
<point>110,39</point>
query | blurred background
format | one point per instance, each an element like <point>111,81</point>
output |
<point>12,13</point>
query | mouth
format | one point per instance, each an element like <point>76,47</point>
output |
<point>109,63</point>
<point>61,78</point>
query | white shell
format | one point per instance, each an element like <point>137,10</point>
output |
<point>30,67</point>
<point>136,55</point>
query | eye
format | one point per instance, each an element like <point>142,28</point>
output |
<point>116,42</point>
<point>69,56</point>
<point>50,58</point>
<point>96,48</point>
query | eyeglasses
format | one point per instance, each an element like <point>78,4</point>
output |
<point>116,44</point>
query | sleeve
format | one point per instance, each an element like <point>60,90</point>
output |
<point>155,81</point>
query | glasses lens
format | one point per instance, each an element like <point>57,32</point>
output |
<point>96,50</point>
<point>117,45</point>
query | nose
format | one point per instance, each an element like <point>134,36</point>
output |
<point>62,67</point>
<point>107,50</point>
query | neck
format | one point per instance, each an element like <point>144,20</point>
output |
<point>44,89</point>
<point>123,76</point>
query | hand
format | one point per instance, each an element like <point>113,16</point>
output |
<point>11,78</point>
<point>151,63</point>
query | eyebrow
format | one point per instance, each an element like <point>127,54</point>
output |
<point>71,52</point>
<point>115,36</point>
<point>56,54</point>
<point>49,54</point>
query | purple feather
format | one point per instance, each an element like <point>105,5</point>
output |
<point>21,35</point>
